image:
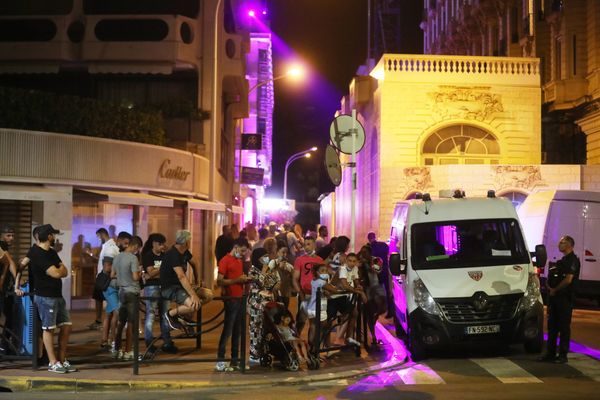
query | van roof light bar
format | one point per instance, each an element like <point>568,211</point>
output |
<point>491,194</point>
<point>426,197</point>
<point>418,196</point>
<point>459,194</point>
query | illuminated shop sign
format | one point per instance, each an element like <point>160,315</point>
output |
<point>177,173</point>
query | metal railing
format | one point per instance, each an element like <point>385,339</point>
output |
<point>320,337</point>
<point>197,335</point>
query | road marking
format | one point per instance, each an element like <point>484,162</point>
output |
<point>420,374</point>
<point>586,365</point>
<point>505,370</point>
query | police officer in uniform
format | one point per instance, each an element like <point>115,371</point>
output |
<point>560,301</point>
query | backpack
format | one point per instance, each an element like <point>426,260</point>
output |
<point>102,281</point>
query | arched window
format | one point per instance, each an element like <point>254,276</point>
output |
<point>517,198</point>
<point>461,144</point>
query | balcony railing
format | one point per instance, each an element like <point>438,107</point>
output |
<point>504,70</point>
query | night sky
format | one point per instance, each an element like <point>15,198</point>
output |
<point>330,36</point>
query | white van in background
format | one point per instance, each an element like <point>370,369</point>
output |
<point>548,215</point>
<point>463,274</point>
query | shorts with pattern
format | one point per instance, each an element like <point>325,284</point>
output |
<point>53,312</point>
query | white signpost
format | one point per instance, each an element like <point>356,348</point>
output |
<point>348,136</point>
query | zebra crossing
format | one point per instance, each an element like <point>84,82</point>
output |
<point>520,369</point>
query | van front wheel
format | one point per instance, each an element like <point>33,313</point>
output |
<point>416,349</point>
<point>534,345</point>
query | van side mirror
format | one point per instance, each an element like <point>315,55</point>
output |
<point>397,265</point>
<point>541,256</point>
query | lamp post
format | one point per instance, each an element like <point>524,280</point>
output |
<point>294,157</point>
<point>294,73</point>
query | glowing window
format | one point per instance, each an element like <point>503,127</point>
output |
<point>467,144</point>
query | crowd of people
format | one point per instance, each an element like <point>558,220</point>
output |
<point>274,264</point>
<point>270,264</point>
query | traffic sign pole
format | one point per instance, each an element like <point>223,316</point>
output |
<point>353,169</point>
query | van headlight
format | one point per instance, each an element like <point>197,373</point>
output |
<point>532,293</point>
<point>424,299</point>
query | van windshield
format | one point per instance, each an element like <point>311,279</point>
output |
<point>456,244</point>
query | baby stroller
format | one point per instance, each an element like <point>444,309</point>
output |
<point>274,347</point>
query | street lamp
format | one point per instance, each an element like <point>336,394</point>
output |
<point>295,72</point>
<point>294,157</point>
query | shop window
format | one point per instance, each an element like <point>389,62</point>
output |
<point>88,217</point>
<point>461,144</point>
<point>166,221</point>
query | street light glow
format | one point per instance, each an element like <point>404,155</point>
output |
<point>314,148</point>
<point>296,72</point>
<point>307,155</point>
<point>252,13</point>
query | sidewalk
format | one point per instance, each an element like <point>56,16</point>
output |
<point>98,371</point>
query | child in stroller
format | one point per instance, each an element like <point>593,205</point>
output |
<point>279,340</point>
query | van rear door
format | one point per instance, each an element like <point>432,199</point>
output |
<point>590,254</point>
<point>564,218</point>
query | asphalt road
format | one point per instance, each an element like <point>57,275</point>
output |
<point>458,374</point>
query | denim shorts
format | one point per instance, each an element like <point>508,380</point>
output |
<point>175,293</point>
<point>53,312</point>
<point>112,299</point>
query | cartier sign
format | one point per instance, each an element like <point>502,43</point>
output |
<point>172,172</point>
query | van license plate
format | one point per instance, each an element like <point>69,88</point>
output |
<point>476,330</point>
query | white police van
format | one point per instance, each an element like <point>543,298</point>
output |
<point>462,273</point>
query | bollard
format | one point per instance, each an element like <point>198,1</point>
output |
<point>34,333</point>
<point>199,327</point>
<point>135,335</point>
<point>243,334</point>
<point>317,337</point>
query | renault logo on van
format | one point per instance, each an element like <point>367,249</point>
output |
<point>476,275</point>
<point>480,301</point>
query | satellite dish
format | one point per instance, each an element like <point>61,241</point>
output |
<point>340,132</point>
<point>333,165</point>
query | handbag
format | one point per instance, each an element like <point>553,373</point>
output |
<point>102,281</point>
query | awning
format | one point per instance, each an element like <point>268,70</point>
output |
<point>131,198</point>
<point>33,193</point>
<point>197,204</point>
<point>237,209</point>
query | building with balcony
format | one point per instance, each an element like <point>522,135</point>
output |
<point>564,35</point>
<point>435,122</point>
<point>158,54</point>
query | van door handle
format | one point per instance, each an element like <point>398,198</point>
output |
<point>590,259</point>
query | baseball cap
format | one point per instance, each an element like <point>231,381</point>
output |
<point>46,230</point>
<point>5,228</point>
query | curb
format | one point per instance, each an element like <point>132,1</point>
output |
<point>43,384</point>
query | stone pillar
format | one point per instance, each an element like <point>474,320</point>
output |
<point>60,215</point>
<point>590,125</point>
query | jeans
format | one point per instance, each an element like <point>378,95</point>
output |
<point>560,309</point>
<point>231,326</point>
<point>151,307</point>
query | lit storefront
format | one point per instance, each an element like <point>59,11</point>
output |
<point>80,184</point>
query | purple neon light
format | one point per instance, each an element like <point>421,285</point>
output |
<point>264,12</point>
<point>252,13</point>
<point>447,236</point>
<point>575,347</point>
<point>395,353</point>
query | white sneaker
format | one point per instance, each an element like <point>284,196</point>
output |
<point>353,341</point>
<point>67,365</point>
<point>57,367</point>
<point>221,366</point>
<point>116,354</point>
<point>127,356</point>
